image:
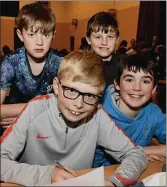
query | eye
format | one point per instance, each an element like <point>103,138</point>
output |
<point>90,95</point>
<point>128,80</point>
<point>146,81</point>
<point>31,35</point>
<point>46,35</point>
<point>72,90</point>
<point>97,37</point>
<point>111,37</point>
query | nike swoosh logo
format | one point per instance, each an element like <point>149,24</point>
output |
<point>42,137</point>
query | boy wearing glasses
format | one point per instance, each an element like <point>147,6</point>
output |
<point>66,127</point>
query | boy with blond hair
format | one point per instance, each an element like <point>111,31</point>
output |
<point>30,70</point>
<point>67,126</point>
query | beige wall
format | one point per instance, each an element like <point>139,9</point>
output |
<point>65,11</point>
<point>7,31</point>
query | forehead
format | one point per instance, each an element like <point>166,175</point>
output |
<point>82,87</point>
<point>139,74</point>
<point>101,29</point>
<point>37,27</point>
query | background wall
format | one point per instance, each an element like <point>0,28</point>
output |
<point>65,11</point>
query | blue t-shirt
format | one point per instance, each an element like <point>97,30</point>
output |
<point>16,74</point>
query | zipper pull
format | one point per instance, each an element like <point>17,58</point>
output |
<point>66,130</point>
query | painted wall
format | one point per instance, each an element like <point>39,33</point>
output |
<point>7,31</point>
<point>65,11</point>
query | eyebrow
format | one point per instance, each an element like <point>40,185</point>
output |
<point>79,90</point>
<point>147,76</point>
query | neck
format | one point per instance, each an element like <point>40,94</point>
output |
<point>33,60</point>
<point>127,110</point>
<point>107,58</point>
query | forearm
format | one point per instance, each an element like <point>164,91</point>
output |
<point>28,175</point>
<point>159,150</point>
<point>11,110</point>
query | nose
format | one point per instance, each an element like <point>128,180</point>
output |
<point>78,102</point>
<point>39,40</point>
<point>104,41</point>
<point>137,86</point>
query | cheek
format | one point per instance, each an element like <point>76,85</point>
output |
<point>90,109</point>
<point>28,44</point>
<point>61,101</point>
<point>94,43</point>
<point>48,42</point>
<point>124,87</point>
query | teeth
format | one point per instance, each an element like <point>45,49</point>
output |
<point>137,96</point>
<point>76,113</point>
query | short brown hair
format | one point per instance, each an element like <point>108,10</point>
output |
<point>83,66</point>
<point>137,63</point>
<point>102,21</point>
<point>36,14</point>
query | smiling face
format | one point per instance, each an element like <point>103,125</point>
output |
<point>103,43</point>
<point>74,110</point>
<point>135,89</point>
<point>37,44</point>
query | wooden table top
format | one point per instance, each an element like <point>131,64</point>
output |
<point>153,167</point>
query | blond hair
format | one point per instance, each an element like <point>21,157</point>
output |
<point>83,66</point>
<point>38,16</point>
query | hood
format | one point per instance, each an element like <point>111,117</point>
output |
<point>109,103</point>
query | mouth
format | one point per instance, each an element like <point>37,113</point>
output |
<point>39,50</point>
<point>75,112</point>
<point>135,95</point>
<point>103,48</point>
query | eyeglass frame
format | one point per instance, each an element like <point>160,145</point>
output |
<point>99,97</point>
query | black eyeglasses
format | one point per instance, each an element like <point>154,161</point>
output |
<point>88,98</point>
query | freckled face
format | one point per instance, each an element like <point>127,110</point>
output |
<point>37,44</point>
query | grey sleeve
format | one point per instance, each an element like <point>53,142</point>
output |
<point>12,144</point>
<point>119,146</point>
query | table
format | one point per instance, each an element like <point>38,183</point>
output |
<point>153,167</point>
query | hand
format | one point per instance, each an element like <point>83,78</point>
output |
<point>152,158</point>
<point>59,174</point>
<point>158,150</point>
<point>108,183</point>
<point>7,121</point>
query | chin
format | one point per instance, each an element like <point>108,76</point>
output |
<point>74,118</point>
<point>39,55</point>
<point>135,107</point>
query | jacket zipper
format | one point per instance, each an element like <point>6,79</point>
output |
<point>65,138</point>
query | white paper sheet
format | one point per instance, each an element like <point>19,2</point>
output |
<point>157,179</point>
<point>93,178</point>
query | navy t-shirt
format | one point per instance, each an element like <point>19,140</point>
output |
<point>16,74</point>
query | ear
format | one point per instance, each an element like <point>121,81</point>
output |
<point>99,105</point>
<point>88,40</point>
<point>117,40</point>
<point>116,85</point>
<point>54,33</point>
<point>154,89</point>
<point>55,85</point>
<point>19,34</point>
